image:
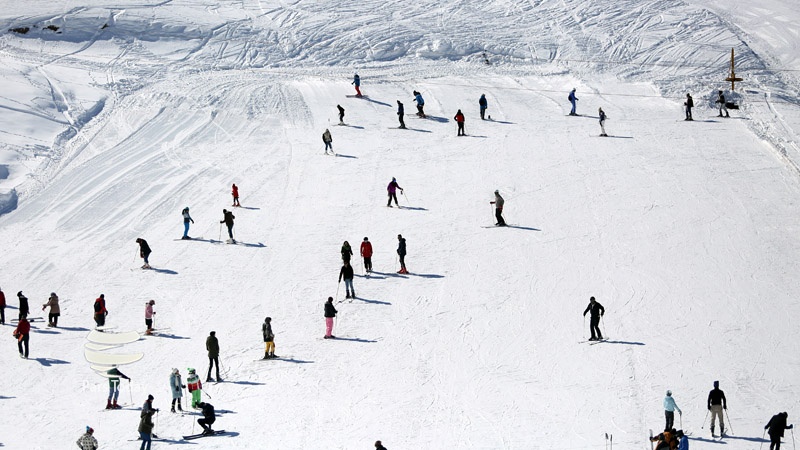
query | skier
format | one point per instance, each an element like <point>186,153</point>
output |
<point>392,189</point>
<point>597,311</point>
<point>186,219</point>
<point>776,425</point>
<point>100,311</point>
<point>235,193</point>
<point>357,83</point>
<point>208,418</point>
<point>148,316</point>
<point>379,446</point>
<point>341,114</point>
<point>87,440</point>
<point>366,253</point>
<point>346,251</point>
<point>722,105</point>
<point>2,307</point>
<point>669,410</point>
<point>228,221</point>
<point>55,310</point>
<point>269,338</point>
<point>328,140</point>
<point>24,309</point>
<point>498,208</point>
<point>420,104</point>
<point>400,113</point>
<point>146,423</point>
<point>144,252</point>
<point>177,387</point>
<point>330,313</point>
<point>212,345</point>
<point>401,252</point>
<point>113,387</point>
<point>459,118</point>
<point>346,272</point>
<point>194,385</point>
<point>689,104</point>
<point>666,441</point>
<point>572,99</point>
<point>716,403</point>
<point>483,104</point>
<point>602,115</point>
<point>22,333</point>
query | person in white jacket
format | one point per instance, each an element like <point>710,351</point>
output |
<point>669,410</point>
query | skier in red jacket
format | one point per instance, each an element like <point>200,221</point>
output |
<point>100,311</point>
<point>459,118</point>
<point>22,332</point>
<point>366,253</point>
<point>235,193</point>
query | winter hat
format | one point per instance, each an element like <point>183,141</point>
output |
<point>716,384</point>
<point>669,393</point>
<point>102,295</point>
<point>151,302</point>
<point>365,238</point>
<point>497,191</point>
<point>212,333</point>
<point>330,299</point>
<point>89,429</point>
<point>268,319</point>
<point>191,370</point>
<point>224,210</point>
<point>591,299</point>
<point>19,294</point>
<point>393,179</point>
<point>174,370</point>
<point>150,397</point>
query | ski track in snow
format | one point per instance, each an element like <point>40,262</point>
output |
<point>686,232</point>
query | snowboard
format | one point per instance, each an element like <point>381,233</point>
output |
<point>201,435</point>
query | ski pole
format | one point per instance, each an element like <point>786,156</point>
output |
<point>130,393</point>
<point>336,298</point>
<point>204,392</point>
<point>219,238</point>
<point>404,195</point>
<point>680,418</point>
<point>793,447</point>
<point>584,327</point>
<point>704,421</point>
<point>730,426</point>
<point>762,439</point>
<point>606,441</point>
<point>602,319</point>
<point>612,441</point>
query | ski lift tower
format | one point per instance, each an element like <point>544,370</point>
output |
<point>732,77</point>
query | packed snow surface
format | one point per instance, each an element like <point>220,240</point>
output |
<point>114,116</point>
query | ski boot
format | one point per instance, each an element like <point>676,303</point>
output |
<point>116,406</point>
<point>108,405</point>
<point>172,410</point>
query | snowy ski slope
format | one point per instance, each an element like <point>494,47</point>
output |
<point>687,233</point>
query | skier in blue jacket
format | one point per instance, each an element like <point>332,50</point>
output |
<point>483,104</point>
<point>357,83</point>
<point>573,100</point>
<point>669,410</point>
<point>420,104</point>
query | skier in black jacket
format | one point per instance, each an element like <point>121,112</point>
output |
<point>776,425</point>
<point>716,403</point>
<point>24,309</point>
<point>330,313</point>
<point>228,221</point>
<point>401,252</point>
<point>400,113</point>
<point>144,252</point>
<point>346,272</point>
<point>597,311</point>
<point>689,104</point>
<point>208,417</point>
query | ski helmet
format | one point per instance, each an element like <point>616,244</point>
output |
<point>152,302</point>
<point>191,370</point>
<point>365,239</point>
<point>716,384</point>
<point>89,429</point>
<point>669,393</point>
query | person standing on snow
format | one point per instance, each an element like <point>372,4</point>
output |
<point>22,333</point>
<point>459,118</point>
<point>400,113</point>
<point>341,114</point>
<point>379,446</point>
<point>669,411</point>
<point>186,219</point>
<point>420,104</point>
<point>366,253</point>
<point>357,83</point>
<point>100,311</point>
<point>776,425</point>
<point>401,252</point>
<point>87,440</point>
<point>716,403</point>
<point>228,221</point>
<point>194,386</point>
<point>498,208</point>
<point>722,105</point>
<point>572,99</point>
<point>330,313</point>
<point>148,316</point>
<point>602,122</point>
<point>146,423</point>
<point>269,338</point>
<point>209,417</point>
<point>212,345</point>
<point>483,105</point>
<point>113,387</point>
<point>392,190</point>
<point>689,104</point>
<point>144,252</point>
<point>346,272</point>
<point>2,307</point>
<point>596,311</point>
<point>235,193</point>
<point>55,310</point>
<point>346,251</point>
<point>24,309</point>
<point>328,140</point>
<point>176,386</point>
